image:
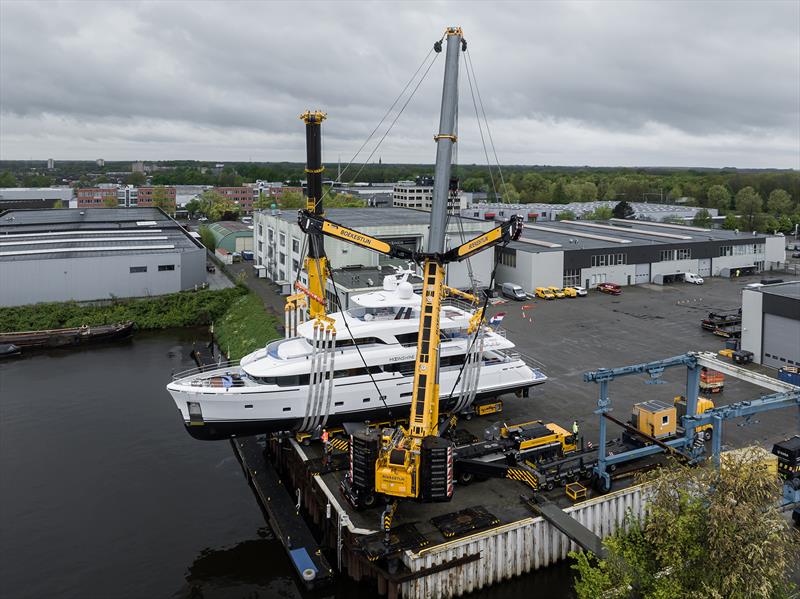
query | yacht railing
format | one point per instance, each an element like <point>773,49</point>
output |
<point>207,368</point>
<point>528,360</point>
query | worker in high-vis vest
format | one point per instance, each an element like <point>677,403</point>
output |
<point>575,430</point>
<point>326,448</point>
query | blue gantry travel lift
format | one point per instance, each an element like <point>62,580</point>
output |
<point>784,395</point>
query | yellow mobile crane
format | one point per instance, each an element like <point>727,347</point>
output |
<point>414,462</point>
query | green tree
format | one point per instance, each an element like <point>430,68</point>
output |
<point>509,194</point>
<point>110,201</point>
<point>599,213</point>
<point>58,204</point>
<point>768,223</point>
<point>731,222</point>
<point>785,224</point>
<point>7,179</point>
<point>719,197</point>
<point>748,205</point>
<point>137,179</point>
<point>292,199</point>
<point>623,210</point>
<point>473,184</point>
<point>207,238</point>
<point>707,533</point>
<point>702,218</point>
<point>566,215</point>
<point>558,194</point>
<point>35,180</point>
<point>779,202</point>
<point>193,207</point>
<point>218,207</point>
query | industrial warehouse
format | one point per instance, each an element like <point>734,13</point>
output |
<point>559,253</point>
<point>570,253</point>
<point>100,253</point>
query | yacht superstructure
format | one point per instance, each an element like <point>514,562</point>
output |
<point>277,388</point>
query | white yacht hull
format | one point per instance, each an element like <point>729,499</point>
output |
<point>268,408</point>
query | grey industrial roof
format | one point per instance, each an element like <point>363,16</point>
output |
<point>82,233</point>
<point>789,289</point>
<point>578,235</point>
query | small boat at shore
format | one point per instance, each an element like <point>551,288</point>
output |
<point>9,350</point>
<point>51,338</point>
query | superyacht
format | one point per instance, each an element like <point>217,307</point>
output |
<point>366,374</point>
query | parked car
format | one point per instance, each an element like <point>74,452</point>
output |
<point>580,291</point>
<point>753,285</point>
<point>611,288</point>
<point>544,293</point>
<point>569,292</point>
<point>513,291</point>
<point>557,291</point>
<point>202,219</point>
<point>210,268</point>
<point>796,255</point>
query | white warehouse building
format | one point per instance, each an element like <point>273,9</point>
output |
<point>627,252</point>
<point>279,242</point>
<point>95,254</point>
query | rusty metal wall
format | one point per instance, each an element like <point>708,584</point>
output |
<point>513,549</point>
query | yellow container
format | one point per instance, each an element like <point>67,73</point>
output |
<point>655,418</point>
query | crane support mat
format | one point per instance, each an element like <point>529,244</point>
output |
<point>464,521</point>
<point>289,527</point>
<point>401,538</point>
<point>568,525</point>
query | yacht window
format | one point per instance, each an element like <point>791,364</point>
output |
<point>357,372</point>
<point>404,368</point>
<point>358,341</point>
<point>408,338</point>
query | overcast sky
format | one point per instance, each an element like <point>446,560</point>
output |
<point>586,83</point>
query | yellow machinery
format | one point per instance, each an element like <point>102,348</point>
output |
<point>703,404</point>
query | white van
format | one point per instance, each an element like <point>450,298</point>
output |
<point>690,277</point>
<point>513,291</point>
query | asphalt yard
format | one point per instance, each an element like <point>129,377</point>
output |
<point>573,335</point>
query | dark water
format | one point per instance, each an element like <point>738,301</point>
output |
<point>103,495</point>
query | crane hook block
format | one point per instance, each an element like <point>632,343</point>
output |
<point>437,46</point>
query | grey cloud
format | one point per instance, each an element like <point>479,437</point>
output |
<point>156,75</point>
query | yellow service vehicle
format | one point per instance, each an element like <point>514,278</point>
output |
<point>569,292</point>
<point>544,293</point>
<point>557,291</point>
